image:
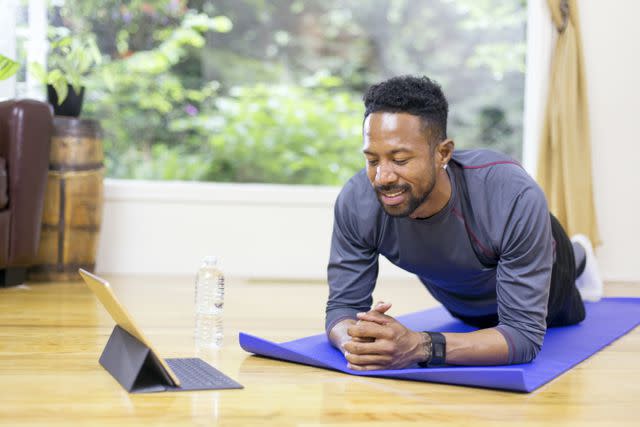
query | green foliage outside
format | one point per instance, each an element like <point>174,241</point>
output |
<point>279,134</point>
<point>254,91</point>
<point>261,133</point>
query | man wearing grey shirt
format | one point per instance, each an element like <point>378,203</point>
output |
<point>472,225</point>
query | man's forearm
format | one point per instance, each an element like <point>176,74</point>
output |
<point>482,347</point>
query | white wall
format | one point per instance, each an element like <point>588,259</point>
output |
<point>610,36</point>
<point>258,231</point>
<point>541,38</point>
<point>283,232</point>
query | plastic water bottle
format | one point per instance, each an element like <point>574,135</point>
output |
<point>209,302</point>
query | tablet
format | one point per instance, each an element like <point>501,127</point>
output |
<point>121,316</point>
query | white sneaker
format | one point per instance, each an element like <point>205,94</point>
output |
<point>590,282</point>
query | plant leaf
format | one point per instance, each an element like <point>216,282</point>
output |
<point>76,84</point>
<point>60,85</point>
<point>8,67</point>
<point>222,24</point>
<point>62,42</point>
<point>38,71</point>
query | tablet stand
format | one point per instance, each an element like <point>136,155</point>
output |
<point>132,364</point>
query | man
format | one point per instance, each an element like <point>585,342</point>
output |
<point>472,225</point>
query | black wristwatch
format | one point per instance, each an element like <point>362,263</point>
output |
<point>438,351</point>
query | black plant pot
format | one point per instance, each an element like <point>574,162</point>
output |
<point>72,105</point>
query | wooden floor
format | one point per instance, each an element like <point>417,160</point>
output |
<point>51,336</point>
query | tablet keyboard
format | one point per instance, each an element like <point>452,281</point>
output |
<point>196,374</point>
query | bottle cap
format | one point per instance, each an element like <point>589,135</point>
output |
<point>210,260</point>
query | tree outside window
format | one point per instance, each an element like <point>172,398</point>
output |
<point>257,91</point>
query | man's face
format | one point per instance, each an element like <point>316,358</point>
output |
<point>400,164</point>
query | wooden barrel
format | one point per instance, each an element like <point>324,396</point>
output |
<point>73,201</point>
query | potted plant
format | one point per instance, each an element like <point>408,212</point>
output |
<point>8,67</point>
<point>70,61</point>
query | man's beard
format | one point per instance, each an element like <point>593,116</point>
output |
<point>410,205</point>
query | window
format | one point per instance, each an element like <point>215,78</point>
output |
<point>23,40</point>
<point>255,91</point>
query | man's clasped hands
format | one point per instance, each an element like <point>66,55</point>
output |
<point>378,341</point>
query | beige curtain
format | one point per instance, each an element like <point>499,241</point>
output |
<point>564,165</point>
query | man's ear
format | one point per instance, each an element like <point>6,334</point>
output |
<point>444,151</point>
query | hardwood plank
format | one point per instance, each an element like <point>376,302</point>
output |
<point>51,336</point>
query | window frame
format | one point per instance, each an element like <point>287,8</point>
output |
<point>8,43</point>
<point>35,36</point>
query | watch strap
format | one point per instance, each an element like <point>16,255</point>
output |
<point>438,353</point>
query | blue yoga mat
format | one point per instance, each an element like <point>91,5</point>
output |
<point>607,320</point>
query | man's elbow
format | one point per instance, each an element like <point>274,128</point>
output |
<point>523,347</point>
<point>525,354</point>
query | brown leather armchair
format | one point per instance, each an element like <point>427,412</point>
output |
<point>25,137</point>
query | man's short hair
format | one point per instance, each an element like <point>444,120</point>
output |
<point>419,96</point>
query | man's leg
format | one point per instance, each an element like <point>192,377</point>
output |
<point>580,255</point>
<point>565,303</point>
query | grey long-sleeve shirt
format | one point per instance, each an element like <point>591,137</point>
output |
<point>510,207</point>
